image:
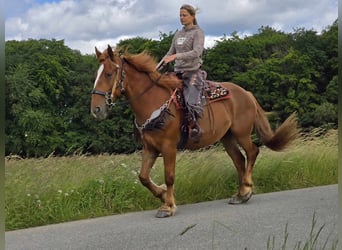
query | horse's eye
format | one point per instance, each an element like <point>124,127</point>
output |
<point>108,75</point>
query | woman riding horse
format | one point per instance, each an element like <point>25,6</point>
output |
<point>152,96</point>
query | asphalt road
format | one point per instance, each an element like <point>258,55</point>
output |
<point>208,225</point>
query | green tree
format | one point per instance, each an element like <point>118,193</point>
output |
<point>48,85</point>
<point>37,76</point>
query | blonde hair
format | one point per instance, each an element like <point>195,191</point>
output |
<point>192,11</point>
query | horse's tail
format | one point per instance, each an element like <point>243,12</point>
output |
<point>279,140</point>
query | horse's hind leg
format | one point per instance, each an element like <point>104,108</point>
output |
<point>252,152</point>
<point>244,174</point>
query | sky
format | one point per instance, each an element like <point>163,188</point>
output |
<point>84,24</point>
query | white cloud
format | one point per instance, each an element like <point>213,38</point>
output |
<point>88,47</point>
<point>83,24</point>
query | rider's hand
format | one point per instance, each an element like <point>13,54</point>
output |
<point>169,58</point>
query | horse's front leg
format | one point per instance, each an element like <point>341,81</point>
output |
<point>148,159</point>
<point>169,207</point>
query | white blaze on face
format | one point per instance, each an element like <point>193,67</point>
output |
<point>99,72</point>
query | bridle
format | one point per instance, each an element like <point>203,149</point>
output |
<point>118,83</point>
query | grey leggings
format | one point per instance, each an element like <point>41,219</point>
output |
<point>193,92</point>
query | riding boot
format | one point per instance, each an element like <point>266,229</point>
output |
<point>195,131</point>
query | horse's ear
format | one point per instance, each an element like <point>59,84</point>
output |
<point>110,52</point>
<point>98,53</point>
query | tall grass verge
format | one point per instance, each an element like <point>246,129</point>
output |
<point>59,189</point>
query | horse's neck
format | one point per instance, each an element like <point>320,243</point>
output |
<point>145,97</point>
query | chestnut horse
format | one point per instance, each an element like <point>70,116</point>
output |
<point>151,96</point>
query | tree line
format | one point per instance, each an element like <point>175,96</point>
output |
<point>48,85</point>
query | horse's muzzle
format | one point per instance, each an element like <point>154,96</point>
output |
<point>99,112</point>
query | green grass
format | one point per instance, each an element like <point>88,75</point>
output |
<point>59,189</point>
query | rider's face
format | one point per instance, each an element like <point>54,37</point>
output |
<point>185,17</point>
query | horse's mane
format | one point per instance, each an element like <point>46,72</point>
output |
<point>146,63</point>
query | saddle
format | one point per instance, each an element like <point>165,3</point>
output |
<point>212,91</point>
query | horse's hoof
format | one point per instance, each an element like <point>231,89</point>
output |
<point>239,199</point>
<point>165,211</point>
<point>163,214</point>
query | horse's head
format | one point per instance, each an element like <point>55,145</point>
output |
<point>108,83</point>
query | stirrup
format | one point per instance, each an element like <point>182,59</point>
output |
<point>195,134</point>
